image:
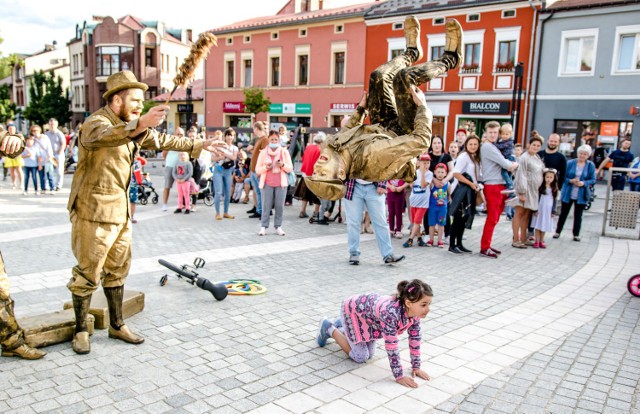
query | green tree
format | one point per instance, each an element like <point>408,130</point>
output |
<point>148,105</point>
<point>47,99</point>
<point>255,101</point>
<point>8,109</point>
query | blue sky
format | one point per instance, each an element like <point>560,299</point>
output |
<point>26,25</point>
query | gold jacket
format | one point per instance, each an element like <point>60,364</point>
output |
<point>15,154</point>
<point>99,191</point>
<point>374,153</point>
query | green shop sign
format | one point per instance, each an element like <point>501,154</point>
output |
<point>290,108</point>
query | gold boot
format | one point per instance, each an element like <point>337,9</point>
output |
<point>453,45</point>
<point>125,334</point>
<point>25,352</point>
<point>412,35</point>
<point>117,328</point>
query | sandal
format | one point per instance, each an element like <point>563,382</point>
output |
<point>303,215</point>
<point>518,245</point>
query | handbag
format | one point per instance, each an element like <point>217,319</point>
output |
<point>228,164</point>
<point>291,178</point>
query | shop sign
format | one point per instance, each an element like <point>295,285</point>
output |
<point>290,108</point>
<point>185,108</point>
<point>609,129</point>
<point>233,107</point>
<point>343,107</point>
<point>485,107</point>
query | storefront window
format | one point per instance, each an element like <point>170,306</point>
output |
<point>597,134</point>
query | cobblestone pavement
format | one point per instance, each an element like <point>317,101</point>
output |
<point>548,331</point>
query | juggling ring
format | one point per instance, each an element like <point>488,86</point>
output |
<point>238,287</point>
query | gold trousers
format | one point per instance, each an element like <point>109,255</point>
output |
<point>103,253</point>
<point>11,336</point>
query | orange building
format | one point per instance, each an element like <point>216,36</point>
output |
<point>497,35</point>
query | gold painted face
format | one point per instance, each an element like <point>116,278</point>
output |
<point>329,166</point>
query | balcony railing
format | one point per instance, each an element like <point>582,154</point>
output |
<point>470,69</point>
<point>504,69</point>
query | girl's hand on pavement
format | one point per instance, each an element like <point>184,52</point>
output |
<point>407,382</point>
<point>420,374</point>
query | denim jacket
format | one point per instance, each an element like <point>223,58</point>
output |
<point>588,177</point>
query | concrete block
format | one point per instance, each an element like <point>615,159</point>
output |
<point>133,303</point>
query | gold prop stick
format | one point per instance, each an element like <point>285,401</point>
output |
<point>199,51</point>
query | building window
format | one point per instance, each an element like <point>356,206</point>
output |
<point>229,41</point>
<point>578,52</point>
<point>437,21</point>
<point>507,14</point>
<point>396,47</point>
<point>338,28</point>
<point>626,57</point>
<point>471,57</point>
<point>473,17</point>
<point>437,52</point>
<point>506,56</point>
<point>150,93</point>
<point>275,71</point>
<point>302,33</point>
<point>177,63</point>
<point>247,39</point>
<point>230,71</point>
<point>247,72</point>
<point>275,36</point>
<point>338,68</point>
<point>398,26</point>
<point>82,63</point>
<point>303,69</point>
<point>149,57</point>
<point>112,59</point>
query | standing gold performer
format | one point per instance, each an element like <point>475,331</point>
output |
<point>400,127</point>
<point>11,336</point>
<point>109,141</point>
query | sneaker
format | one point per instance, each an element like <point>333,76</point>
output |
<point>408,243</point>
<point>263,231</point>
<point>508,191</point>
<point>536,245</point>
<point>228,216</point>
<point>187,211</point>
<point>338,323</point>
<point>280,232</point>
<point>398,235</point>
<point>556,235</point>
<point>421,242</point>
<point>393,259</point>
<point>193,209</point>
<point>218,217</point>
<point>496,251</point>
<point>255,215</point>
<point>354,260</point>
<point>576,238</point>
<point>488,253</point>
<point>164,207</point>
<point>441,244</point>
<point>253,210</point>
<point>542,245</point>
<point>323,335</point>
<point>455,250</point>
<point>24,193</point>
<point>465,250</point>
<point>177,210</point>
<point>429,243</point>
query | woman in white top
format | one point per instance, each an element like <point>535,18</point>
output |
<point>223,166</point>
<point>462,207</point>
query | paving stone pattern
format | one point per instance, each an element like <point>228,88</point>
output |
<point>259,353</point>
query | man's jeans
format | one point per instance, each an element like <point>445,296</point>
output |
<point>367,195</point>
<point>59,171</point>
<point>255,184</point>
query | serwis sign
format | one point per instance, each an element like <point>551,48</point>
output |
<point>485,107</point>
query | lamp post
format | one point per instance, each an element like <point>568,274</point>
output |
<point>516,99</point>
<point>189,107</point>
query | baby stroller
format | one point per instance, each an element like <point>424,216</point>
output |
<point>592,196</point>
<point>145,191</point>
<point>205,193</point>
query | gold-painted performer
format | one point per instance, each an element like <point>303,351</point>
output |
<point>109,141</point>
<point>11,336</point>
<point>400,127</point>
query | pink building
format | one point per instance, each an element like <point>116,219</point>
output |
<point>309,61</point>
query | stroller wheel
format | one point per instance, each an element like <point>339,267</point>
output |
<point>588,205</point>
<point>154,200</point>
<point>144,201</point>
<point>634,285</point>
<point>208,200</point>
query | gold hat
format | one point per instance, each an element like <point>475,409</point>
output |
<point>121,81</point>
<point>326,189</point>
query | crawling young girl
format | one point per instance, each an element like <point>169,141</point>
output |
<point>371,316</point>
